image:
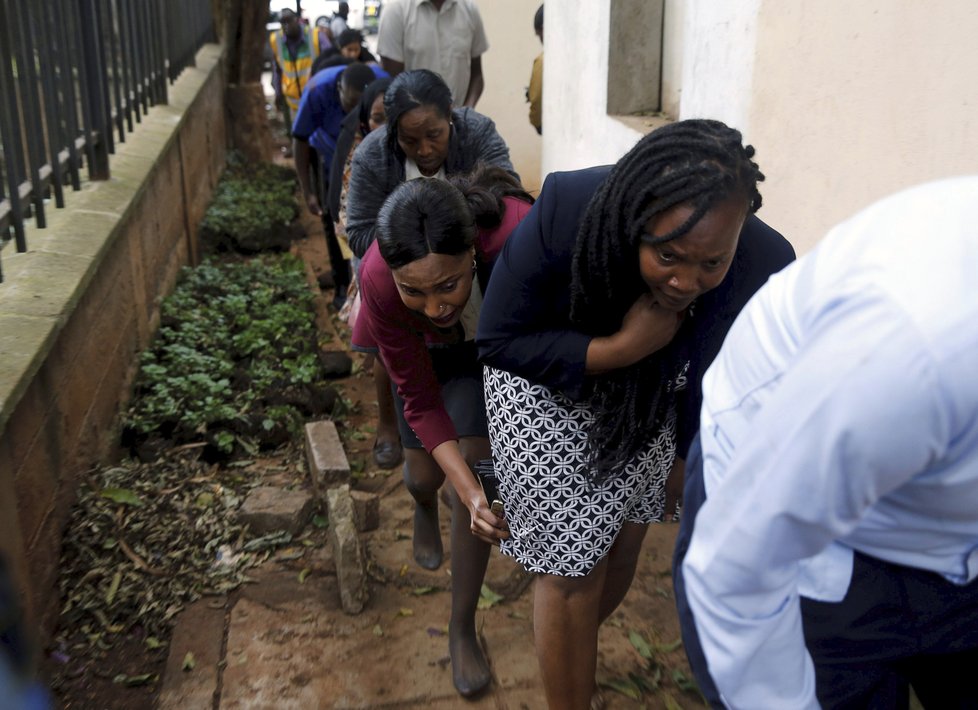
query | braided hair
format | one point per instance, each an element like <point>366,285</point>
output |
<point>696,163</point>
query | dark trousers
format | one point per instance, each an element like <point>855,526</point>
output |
<point>339,267</point>
<point>897,626</point>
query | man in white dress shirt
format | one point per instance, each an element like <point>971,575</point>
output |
<point>831,520</point>
<point>445,36</point>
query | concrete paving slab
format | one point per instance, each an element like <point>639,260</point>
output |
<point>86,236</point>
<point>269,508</point>
<point>351,570</point>
<point>43,283</point>
<point>200,631</point>
<point>366,510</point>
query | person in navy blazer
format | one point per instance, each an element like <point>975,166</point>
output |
<point>604,309</point>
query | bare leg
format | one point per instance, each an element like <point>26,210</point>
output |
<point>622,561</point>
<point>387,447</point>
<point>470,556</point>
<point>423,478</point>
<point>565,626</point>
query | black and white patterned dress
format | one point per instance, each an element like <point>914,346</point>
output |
<point>559,523</point>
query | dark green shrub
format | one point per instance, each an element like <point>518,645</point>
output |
<point>252,208</point>
<point>235,360</point>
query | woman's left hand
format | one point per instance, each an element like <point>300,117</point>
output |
<point>484,524</point>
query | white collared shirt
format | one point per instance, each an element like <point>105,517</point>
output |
<point>417,34</point>
<point>841,414</point>
<point>412,171</point>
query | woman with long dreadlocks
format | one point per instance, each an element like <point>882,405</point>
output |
<point>605,307</point>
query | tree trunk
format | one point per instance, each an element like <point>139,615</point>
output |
<point>241,28</point>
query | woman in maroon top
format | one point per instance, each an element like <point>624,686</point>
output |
<point>422,281</point>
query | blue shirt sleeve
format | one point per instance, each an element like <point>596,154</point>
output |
<point>308,116</point>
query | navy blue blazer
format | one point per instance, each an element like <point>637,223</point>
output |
<point>524,325</point>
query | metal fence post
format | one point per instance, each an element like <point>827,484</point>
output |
<point>95,96</point>
<point>72,72</point>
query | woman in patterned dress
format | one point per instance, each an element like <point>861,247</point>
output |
<point>605,307</point>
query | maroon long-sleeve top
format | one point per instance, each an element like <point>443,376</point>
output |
<point>402,336</point>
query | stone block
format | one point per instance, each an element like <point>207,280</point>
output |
<point>327,460</point>
<point>268,509</point>
<point>199,630</point>
<point>351,570</point>
<point>366,510</point>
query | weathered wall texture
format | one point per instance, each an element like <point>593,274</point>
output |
<point>580,132</point>
<point>512,48</point>
<point>844,102</point>
<point>76,310</point>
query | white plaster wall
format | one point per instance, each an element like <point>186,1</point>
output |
<point>845,102</point>
<point>852,101</point>
<point>577,132</point>
<point>673,42</point>
<point>576,85</point>
<point>718,48</point>
<point>512,48</point>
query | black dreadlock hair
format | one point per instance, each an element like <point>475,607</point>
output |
<point>697,163</point>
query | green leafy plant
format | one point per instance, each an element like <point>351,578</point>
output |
<point>234,355</point>
<point>649,680</point>
<point>252,207</point>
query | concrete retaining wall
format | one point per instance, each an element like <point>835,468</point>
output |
<point>80,305</point>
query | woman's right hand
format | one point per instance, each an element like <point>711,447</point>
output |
<point>647,328</point>
<point>485,525</point>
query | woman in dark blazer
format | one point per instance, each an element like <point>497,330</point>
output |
<point>606,306</point>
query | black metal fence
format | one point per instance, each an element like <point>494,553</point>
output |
<point>75,76</point>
